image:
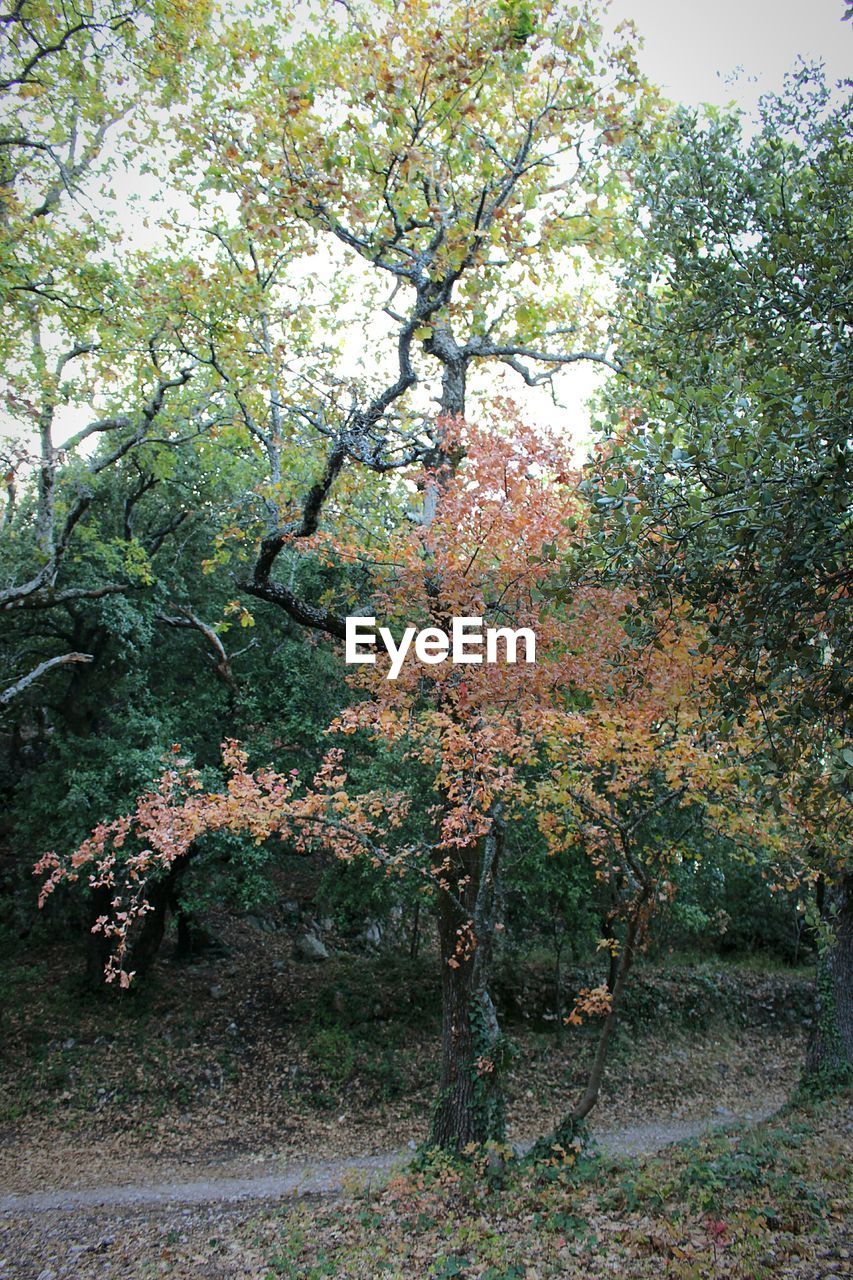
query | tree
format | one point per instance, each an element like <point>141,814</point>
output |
<point>728,472</point>
<point>467,163</point>
<point>76,329</point>
<point>596,737</point>
<point>640,783</point>
<point>440,156</point>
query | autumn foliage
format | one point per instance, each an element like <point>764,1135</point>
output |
<point>597,733</point>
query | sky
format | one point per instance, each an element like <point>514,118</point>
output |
<point>693,46</point>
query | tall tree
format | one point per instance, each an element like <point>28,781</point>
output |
<point>596,737</point>
<point>728,475</point>
<point>77,329</point>
<point>449,166</point>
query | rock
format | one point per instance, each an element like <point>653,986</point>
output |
<point>373,934</point>
<point>259,923</point>
<point>289,910</point>
<point>310,948</point>
<point>216,993</point>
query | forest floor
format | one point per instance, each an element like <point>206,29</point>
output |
<point>667,1094</point>
<point>156,1135</point>
<point>763,1202</point>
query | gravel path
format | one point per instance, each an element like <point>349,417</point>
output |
<point>331,1176</point>
<point>321,1177</point>
<point>645,1139</point>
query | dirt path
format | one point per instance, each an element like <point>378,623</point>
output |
<point>327,1177</point>
<point>645,1139</point>
<point>323,1177</point>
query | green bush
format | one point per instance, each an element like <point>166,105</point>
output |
<point>332,1051</point>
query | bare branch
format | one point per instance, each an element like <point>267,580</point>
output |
<point>51,599</point>
<point>307,615</point>
<point>508,354</point>
<point>219,657</point>
<point>61,660</point>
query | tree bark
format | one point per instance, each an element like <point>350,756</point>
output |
<point>144,949</point>
<point>470,1106</point>
<point>193,938</point>
<point>161,896</point>
<point>24,682</point>
<point>830,1048</point>
<point>617,992</point>
<point>415,935</point>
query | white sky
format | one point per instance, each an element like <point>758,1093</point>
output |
<point>692,46</point>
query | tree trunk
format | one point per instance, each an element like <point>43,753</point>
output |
<point>161,897</point>
<point>453,388</point>
<point>613,966</point>
<point>559,939</point>
<point>470,1106</point>
<point>617,992</point>
<point>454,368</point>
<point>415,936</point>
<point>567,1128</point>
<point>98,946</point>
<point>830,1049</point>
<point>194,939</point>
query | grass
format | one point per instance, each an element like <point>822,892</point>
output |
<point>745,962</point>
